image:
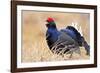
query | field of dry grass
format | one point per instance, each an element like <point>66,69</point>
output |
<point>34,46</point>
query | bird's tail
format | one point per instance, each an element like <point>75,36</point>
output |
<point>87,47</point>
<point>79,36</point>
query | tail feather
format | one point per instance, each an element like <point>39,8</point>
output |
<point>79,36</point>
<point>87,47</point>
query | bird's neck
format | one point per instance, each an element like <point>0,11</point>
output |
<point>52,28</point>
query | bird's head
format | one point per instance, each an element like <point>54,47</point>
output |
<point>50,23</point>
<point>50,20</point>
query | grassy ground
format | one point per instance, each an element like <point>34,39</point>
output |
<point>34,46</point>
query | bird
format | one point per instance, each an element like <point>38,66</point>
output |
<point>66,40</point>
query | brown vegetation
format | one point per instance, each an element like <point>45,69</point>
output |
<point>34,46</point>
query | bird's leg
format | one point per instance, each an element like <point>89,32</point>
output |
<point>79,52</point>
<point>71,55</point>
<point>62,55</point>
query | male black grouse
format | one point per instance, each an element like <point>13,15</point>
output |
<point>66,40</point>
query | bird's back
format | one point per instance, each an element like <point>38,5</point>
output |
<point>72,32</point>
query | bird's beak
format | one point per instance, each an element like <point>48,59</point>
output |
<point>46,23</point>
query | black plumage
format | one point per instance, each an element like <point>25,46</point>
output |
<point>66,40</point>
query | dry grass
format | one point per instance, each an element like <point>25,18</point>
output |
<point>34,46</point>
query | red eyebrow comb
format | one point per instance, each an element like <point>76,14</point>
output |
<point>50,19</point>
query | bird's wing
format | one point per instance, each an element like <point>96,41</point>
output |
<point>65,44</point>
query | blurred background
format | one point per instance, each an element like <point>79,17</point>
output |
<point>34,46</point>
